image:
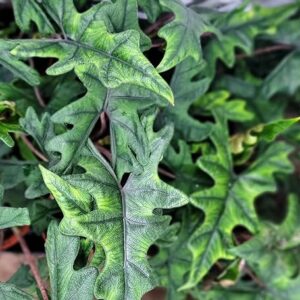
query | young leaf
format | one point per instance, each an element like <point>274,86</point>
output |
<point>66,283</point>
<point>8,122</point>
<point>230,202</point>
<point>119,218</point>
<point>182,34</point>
<point>27,11</point>
<point>265,132</point>
<point>93,52</point>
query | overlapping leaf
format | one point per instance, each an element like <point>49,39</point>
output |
<point>8,122</point>
<point>233,109</point>
<point>151,7</point>
<point>182,34</point>
<point>10,216</point>
<point>173,261</point>
<point>93,52</point>
<point>120,106</point>
<point>283,77</point>
<point>188,177</point>
<point>124,220</point>
<point>31,10</point>
<point>230,202</point>
<point>187,85</point>
<point>15,66</point>
<point>276,268</point>
<point>244,142</point>
<point>66,283</point>
<point>239,29</point>
<point>11,292</point>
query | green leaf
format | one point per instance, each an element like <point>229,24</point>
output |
<point>41,131</point>
<point>93,52</point>
<point>10,217</point>
<point>30,11</point>
<point>288,33</point>
<point>123,15</point>
<point>10,292</point>
<point>239,29</point>
<point>41,212</point>
<point>12,173</point>
<point>187,87</point>
<point>61,253</point>
<point>233,109</point>
<point>5,129</point>
<point>174,260</point>
<point>188,177</point>
<point>22,96</point>
<point>118,16</point>
<point>241,142</point>
<point>283,78</point>
<point>24,279</point>
<point>61,91</point>
<point>182,34</point>
<point>15,66</point>
<point>264,110</point>
<point>152,8</point>
<point>277,268</point>
<point>8,122</point>
<point>231,293</point>
<point>230,202</point>
<point>120,105</point>
<point>119,218</point>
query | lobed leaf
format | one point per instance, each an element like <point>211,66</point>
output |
<point>182,34</point>
<point>118,218</point>
<point>30,11</point>
<point>93,52</point>
<point>15,66</point>
<point>230,202</point>
<point>66,283</point>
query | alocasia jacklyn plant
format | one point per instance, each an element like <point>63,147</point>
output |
<point>148,144</point>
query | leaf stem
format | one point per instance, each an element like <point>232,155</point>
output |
<point>12,240</point>
<point>269,49</point>
<point>160,22</point>
<point>104,151</point>
<point>32,264</point>
<point>36,90</point>
<point>33,149</point>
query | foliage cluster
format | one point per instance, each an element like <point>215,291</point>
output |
<point>150,143</point>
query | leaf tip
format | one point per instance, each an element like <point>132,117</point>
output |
<point>45,172</point>
<point>185,287</point>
